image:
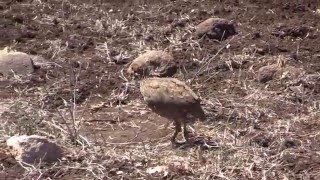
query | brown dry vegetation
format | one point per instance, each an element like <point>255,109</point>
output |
<point>82,97</point>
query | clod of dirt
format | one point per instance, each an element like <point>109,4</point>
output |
<point>298,31</point>
<point>10,32</point>
<point>18,19</point>
<point>298,90</point>
<point>279,70</point>
<point>166,30</point>
<point>179,23</point>
<point>10,167</point>
<point>266,73</point>
<point>289,143</point>
<point>232,62</point>
<point>310,81</point>
<point>153,63</point>
<point>215,28</point>
<point>180,165</point>
<point>120,59</point>
<point>256,35</point>
<point>311,4</point>
<point>80,44</point>
<point>18,62</point>
<point>158,171</point>
<point>262,140</point>
<point>174,100</point>
<point>40,62</point>
<point>290,72</point>
<point>34,148</point>
<point>299,159</point>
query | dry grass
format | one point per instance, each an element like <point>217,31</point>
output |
<point>263,131</point>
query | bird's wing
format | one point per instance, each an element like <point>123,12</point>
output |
<point>167,90</point>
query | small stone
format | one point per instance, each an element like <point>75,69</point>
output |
<point>153,63</point>
<point>215,28</point>
<point>291,72</point>
<point>40,62</point>
<point>158,171</point>
<point>289,143</point>
<point>166,30</point>
<point>179,23</point>
<point>297,89</point>
<point>18,62</point>
<point>18,19</point>
<point>256,35</point>
<point>34,148</point>
<point>180,164</point>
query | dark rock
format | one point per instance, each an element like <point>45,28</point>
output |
<point>215,28</point>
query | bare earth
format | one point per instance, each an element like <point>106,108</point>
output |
<point>263,130</point>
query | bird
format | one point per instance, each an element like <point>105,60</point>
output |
<point>174,100</point>
<point>153,63</point>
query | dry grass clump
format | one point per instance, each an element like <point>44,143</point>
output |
<point>87,103</point>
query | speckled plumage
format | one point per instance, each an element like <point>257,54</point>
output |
<point>153,63</point>
<point>172,99</point>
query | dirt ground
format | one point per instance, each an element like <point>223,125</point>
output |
<point>262,130</point>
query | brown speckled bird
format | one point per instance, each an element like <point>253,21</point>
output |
<point>174,100</point>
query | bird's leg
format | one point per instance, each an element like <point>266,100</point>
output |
<point>176,132</point>
<point>185,132</point>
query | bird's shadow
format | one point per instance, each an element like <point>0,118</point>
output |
<point>203,143</point>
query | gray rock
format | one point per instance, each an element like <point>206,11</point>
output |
<point>32,149</point>
<point>18,62</point>
<point>266,73</point>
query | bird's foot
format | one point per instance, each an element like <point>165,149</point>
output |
<point>178,143</point>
